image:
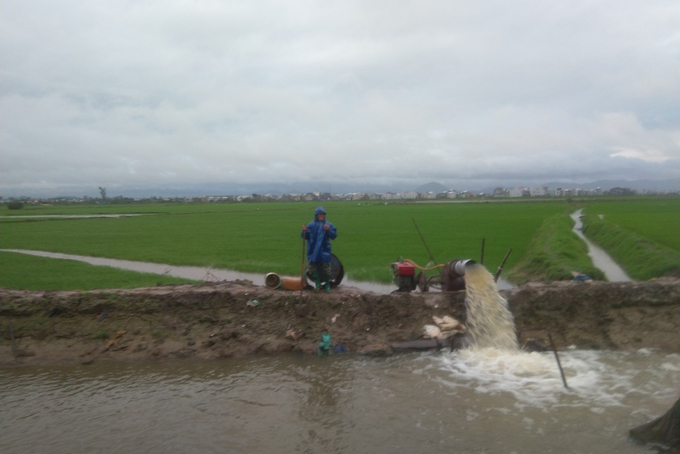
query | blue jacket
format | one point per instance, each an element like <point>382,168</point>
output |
<point>318,239</point>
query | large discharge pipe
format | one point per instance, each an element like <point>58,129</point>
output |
<point>453,276</point>
<point>458,265</point>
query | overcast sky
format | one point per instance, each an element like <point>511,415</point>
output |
<point>134,93</point>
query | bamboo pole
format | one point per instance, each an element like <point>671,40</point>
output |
<point>302,273</point>
<point>500,267</point>
<point>423,239</point>
<point>552,344</point>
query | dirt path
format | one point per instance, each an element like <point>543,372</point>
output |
<point>237,318</point>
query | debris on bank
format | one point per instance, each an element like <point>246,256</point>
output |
<point>214,320</point>
<point>443,328</point>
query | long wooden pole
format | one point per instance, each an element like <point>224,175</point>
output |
<point>552,344</point>
<point>500,267</point>
<point>302,273</point>
<point>423,239</point>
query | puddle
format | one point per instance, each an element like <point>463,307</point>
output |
<point>204,274</point>
<point>612,271</point>
<point>71,216</point>
<point>189,272</point>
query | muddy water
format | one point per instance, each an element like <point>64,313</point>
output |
<point>612,271</point>
<point>464,402</point>
<point>71,216</point>
<point>481,399</point>
<point>202,273</point>
<point>489,321</point>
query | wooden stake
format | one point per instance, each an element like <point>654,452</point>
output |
<point>302,273</point>
<point>552,344</point>
<point>500,267</point>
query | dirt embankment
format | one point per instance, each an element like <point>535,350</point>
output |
<point>227,319</point>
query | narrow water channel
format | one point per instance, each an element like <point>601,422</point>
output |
<point>203,273</point>
<point>612,271</point>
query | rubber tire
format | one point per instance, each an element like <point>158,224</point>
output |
<point>337,273</point>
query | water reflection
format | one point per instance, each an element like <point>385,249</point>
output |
<point>435,403</point>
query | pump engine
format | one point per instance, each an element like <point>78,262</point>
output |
<point>404,276</point>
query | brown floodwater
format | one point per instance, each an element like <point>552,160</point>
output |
<point>485,399</point>
<point>471,401</point>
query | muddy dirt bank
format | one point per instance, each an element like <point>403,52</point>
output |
<point>225,319</point>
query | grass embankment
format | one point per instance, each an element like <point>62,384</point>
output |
<point>641,235</point>
<point>641,258</point>
<point>27,272</point>
<point>554,253</point>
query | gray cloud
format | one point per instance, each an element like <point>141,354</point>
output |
<point>164,93</point>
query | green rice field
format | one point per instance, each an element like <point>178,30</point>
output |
<point>28,272</point>
<point>265,237</point>
<point>657,220</point>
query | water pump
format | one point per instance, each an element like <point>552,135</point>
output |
<point>451,276</point>
<point>404,276</point>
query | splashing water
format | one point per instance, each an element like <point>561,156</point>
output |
<point>489,321</point>
<point>505,379</point>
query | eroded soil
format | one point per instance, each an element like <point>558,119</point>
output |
<point>225,319</point>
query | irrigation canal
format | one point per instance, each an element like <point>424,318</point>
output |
<point>464,402</point>
<point>612,271</point>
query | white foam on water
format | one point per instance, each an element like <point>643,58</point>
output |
<point>494,365</point>
<point>671,367</point>
<point>596,380</point>
<point>494,371</point>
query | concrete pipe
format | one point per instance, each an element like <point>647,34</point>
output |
<point>272,280</point>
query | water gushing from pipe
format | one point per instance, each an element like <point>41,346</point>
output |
<point>489,321</point>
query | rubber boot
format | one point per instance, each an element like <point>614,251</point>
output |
<point>317,282</point>
<point>328,286</point>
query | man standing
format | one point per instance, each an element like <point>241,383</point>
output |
<point>319,234</point>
